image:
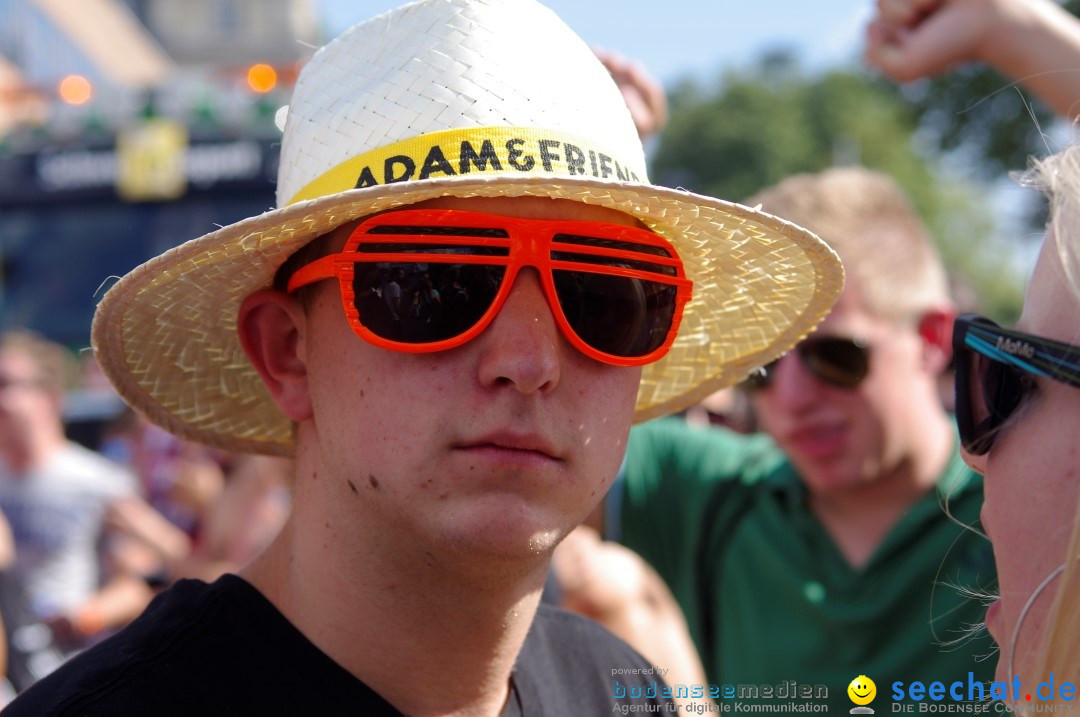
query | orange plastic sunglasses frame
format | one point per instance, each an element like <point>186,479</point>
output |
<point>529,242</point>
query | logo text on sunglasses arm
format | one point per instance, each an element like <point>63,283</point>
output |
<point>483,150</point>
<point>1015,347</point>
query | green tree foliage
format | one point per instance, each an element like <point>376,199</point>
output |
<point>993,122</point>
<point>978,114</point>
<point>760,124</point>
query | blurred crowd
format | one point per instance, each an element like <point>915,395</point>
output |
<point>90,533</point>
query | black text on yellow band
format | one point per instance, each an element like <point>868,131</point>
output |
<point>482,150</point>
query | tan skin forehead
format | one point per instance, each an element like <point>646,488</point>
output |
<point>1050,305</point>
<point>850,315</point>
<point>18,364</point>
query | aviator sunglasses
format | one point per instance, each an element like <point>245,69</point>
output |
<point>837,361</point>
<point>996,370</point>
<point>423,280</point>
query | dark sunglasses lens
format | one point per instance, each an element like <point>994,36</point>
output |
<point>760,378</point>
<point>993,390</point>
<point>839,362</point>
<point>616,315</point>
<point>423,302</point>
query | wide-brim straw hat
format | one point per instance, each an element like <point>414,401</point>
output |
<point>462,98</point>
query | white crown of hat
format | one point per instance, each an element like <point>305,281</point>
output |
<point>440,65</point>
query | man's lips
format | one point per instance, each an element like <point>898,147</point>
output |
<point>818,441</point>
<point>504,445</point>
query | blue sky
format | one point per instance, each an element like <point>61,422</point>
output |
<point>675,38</point>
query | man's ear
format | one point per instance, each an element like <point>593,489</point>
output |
<point>271,326</point>
<point>935,330</point>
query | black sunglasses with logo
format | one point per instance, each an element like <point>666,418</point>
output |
<point>837,361</point>
<point>996,370</point>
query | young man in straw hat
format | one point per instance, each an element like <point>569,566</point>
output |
<point>440,456</point>
<point>821,551</point>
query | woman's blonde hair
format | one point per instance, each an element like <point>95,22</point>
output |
<point>1059,649</point>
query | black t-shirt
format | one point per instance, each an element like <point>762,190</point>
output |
<point>224,649</point>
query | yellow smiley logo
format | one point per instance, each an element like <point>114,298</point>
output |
<point>862,690</point>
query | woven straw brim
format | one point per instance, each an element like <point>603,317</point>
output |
<point>166,335</point>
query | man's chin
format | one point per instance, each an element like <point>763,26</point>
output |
<point>825,478</point>
<point>501,538</point>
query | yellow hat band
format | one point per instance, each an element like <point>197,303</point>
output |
<point>511,151</point>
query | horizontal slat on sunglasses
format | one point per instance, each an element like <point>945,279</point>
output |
<point>430,241</point>
<point>620,271</point>
<point>591,268</point>
<point>434,248</point>
<point>419,258</point>
<point>653,249</point>
<point>422,242</point>
<point>437,230</point>
<point>607,259</point>
<point>615,253</point>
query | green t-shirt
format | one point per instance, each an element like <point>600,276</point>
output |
<point>723,518</point>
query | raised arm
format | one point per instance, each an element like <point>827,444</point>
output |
<point>1034,42</point>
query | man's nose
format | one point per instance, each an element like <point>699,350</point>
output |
<point>522,346</point>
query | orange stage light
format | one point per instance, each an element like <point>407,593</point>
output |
<point>262,77</point>
<point>76,90</point>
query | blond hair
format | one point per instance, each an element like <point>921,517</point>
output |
<point>869,221</point>
<point>53,362</point>
<point>1059,177</point>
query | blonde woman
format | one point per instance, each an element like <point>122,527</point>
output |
<point>1018,407</point>
<point>1018,392</point>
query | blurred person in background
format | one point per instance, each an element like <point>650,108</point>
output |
<point>55,494</point>
<point>729,407</point>
<point>239,523</point>
<point>821,551</point>
<point>245,519</point>
<point>182,483</point>
<point>1018,392</point>
<point>7,559</point>
<point>179,479</point>
<point>643,94</point>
